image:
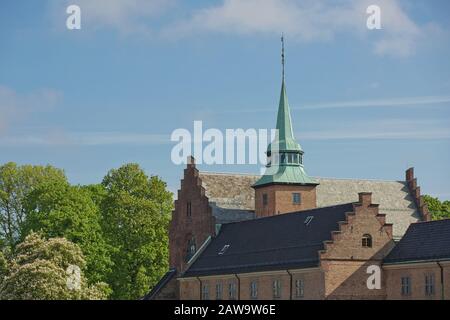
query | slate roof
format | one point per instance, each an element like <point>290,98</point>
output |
<point>270,243</point>
<point>234,191</point>
<point>423,241</point>
<point>160,285</point>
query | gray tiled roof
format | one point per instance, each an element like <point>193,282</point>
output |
<point>423,241</point>
<point>234,191</point>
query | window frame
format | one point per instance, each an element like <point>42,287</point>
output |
<point>430,284</point>
<point>405,288</point>
<point>265,200</point>
<point>219,291</point>
<point>299,288</point>
<point>254,289</point>
<point>276,288</point>
<point>205,291</point>
<point>294,194</point>
<point>232,291</point>
<point>367,241</point>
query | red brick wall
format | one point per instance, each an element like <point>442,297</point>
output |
<point>345,260</point>
<point>280,199</point>
<point>313,285</point>
<point>417,273</point>
<point>199,225</point>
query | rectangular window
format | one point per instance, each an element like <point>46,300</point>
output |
<point>205,291</point>
<point>219,291</point>
<point>277,289</point>
<point>254,290</point>
<point>189,209</point>
<point>406,286</point>
<point>299,288</point>
<point>429,284</point>
<point>232,291</point>
<point>264,199</point>
<point>296,198</point>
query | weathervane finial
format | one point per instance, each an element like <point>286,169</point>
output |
<point>282,53</point>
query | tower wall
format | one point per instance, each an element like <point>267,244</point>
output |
<point>279,199</point>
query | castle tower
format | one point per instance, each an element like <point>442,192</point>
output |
<point>285,186</point>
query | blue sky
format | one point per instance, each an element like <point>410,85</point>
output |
<point>365,103</point>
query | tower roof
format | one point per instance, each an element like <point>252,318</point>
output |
<point>286,154</point>
<point>284,137</point>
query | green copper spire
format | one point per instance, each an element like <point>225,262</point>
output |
<point>284,154</point>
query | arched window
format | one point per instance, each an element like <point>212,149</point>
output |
<point>367,241</point>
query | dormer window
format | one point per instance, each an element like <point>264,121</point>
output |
<point>367,241</point>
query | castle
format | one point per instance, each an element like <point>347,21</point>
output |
<point>286,235</point>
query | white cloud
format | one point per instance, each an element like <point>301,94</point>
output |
<point>126,16</point>
<point>309,21</point>
<point>15,106</point>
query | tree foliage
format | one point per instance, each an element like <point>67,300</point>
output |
<point>136,213</point>
<point>61,210</point>
<point>438,209</point>
<point>16,182</point>
<point>39,270</point>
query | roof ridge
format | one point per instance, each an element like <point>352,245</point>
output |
<point>290,213</point>
<point>315,177</point>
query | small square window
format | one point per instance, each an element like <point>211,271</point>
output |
<point>296,198</point>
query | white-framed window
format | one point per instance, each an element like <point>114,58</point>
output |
<point>406,286</point>
<point>429,284</point>
<point>219,290</point>
<point>277,289</point>
<point>296,198</point>
<point>254,290</point>
<point>232,291</point>
<point>299,288</point>
<point>205,291</point>
<point>366,241</point>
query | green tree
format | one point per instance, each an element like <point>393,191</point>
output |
<point>438,209</point>
<point>16,182</point>
<point>46,270</point>
<point>56,209</point>
<point>3,267</point>
<point>136,213</point>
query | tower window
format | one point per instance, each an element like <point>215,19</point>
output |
<point>265,199</point>
<point>301,158</point>
<point>367,241</point>
<point>296,198</point>
<point>189,209</point>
